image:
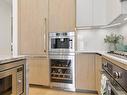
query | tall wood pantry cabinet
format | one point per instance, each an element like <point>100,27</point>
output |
<point>32,27</point>
<point>32,38</point>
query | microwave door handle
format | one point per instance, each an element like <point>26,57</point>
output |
<point>113,88</point>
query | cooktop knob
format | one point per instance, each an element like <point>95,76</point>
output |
<point>117,75</point>
<point>106,65</point>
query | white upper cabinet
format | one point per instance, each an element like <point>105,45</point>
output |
<point>99,12</point>
<point>114,9</point>
<point>96,12</point>
<point>84,13</point>
<point>5,26</point>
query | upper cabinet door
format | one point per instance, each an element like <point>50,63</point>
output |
<point>32,26</point>
<point>84,13</point>
<point>114,9</point>
<point>96,12</point>
<point>5,27</point>
<point>61,15</point>
<point>99,12</point>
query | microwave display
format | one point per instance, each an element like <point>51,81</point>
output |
<point>6,85</point>
<point>60,43</point>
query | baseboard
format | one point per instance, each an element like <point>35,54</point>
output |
<point>87,91</point>
<point>39,86</point>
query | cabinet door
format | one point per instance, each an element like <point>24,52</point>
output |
<point>113,10</point>
<point>38,71</point>
<point>98,61</point>
<point>84,15</point>
<point>32,26</point>
<point>99,12</point>
<point>85,72</point>
<point>61,15</point>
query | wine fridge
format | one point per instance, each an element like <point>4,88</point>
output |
<point>62,71</point>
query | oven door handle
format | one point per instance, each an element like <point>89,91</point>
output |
<point>112,88</point>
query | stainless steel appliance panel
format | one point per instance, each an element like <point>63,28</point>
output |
<point>116,84</point>
<point>12,78</point>
<point>62,42</point>
<point>8,82</point>
<point>62,71</point>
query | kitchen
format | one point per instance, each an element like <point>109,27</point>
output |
<point>57,47</point>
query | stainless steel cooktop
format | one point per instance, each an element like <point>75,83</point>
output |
<point>119,54</point>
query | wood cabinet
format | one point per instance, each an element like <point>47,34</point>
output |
<point>98,61</point>
<point>38,71</point>
<point>32,27</point>
<point>85,71</point>
<point>61,15</point>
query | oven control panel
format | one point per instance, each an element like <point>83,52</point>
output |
<point>20,81</point>
<point>117,73</point>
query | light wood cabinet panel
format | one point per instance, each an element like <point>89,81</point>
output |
<point>38,71</point>
<point>61,15</point>
<point>98,61</point>
<point>32,26</point>
<point>85,72</point>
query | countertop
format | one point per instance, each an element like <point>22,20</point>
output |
<point>6,58</point>
<point>116,60</point>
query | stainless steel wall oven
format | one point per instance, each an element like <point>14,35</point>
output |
<point>117,78</point>
<point>62,60</point>
<point>62,42</point>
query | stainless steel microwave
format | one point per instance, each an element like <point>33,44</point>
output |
<point>12,79</point>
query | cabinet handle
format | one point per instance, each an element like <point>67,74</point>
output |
<point>45,31</point>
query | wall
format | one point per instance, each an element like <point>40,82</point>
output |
<point>93,40</point>
<point>15,27</point>
<point>123,30</point>
<point>5,28</point>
